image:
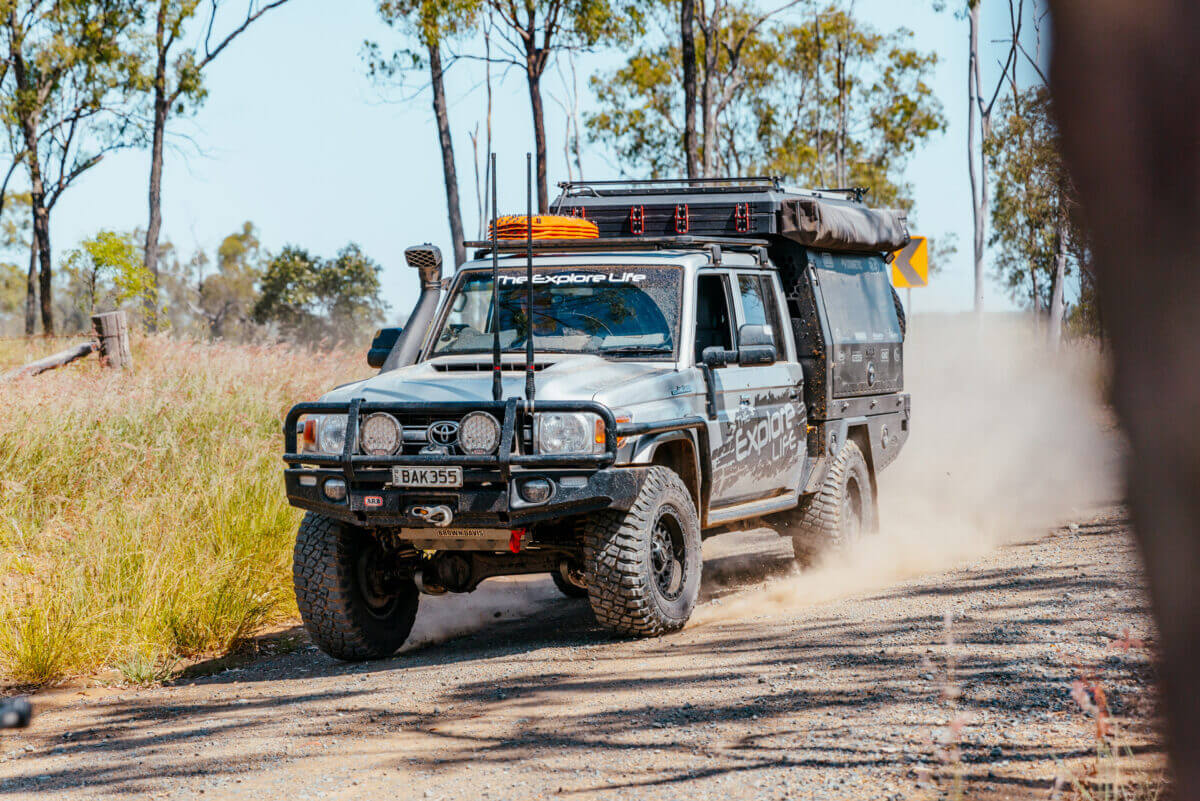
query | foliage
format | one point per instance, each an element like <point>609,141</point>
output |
<point>143,521</point>
<point>12,289</point>
<point>106,272</point>
<point>311,300</point>
<point>431,22</point>
<point>1034,199</point>
<point>825,101</point>
<point>69,71</point>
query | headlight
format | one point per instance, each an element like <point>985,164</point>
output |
<point>479,434</point>
<point>379,435</point>
<point>331,433</point>
<point>569,432</point>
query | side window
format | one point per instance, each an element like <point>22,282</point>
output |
<point>714,323</point>
<point>758,305</point>
<point>858,299</point>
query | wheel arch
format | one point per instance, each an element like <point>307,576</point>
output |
<point>676,450</point>
<point>860,435</point>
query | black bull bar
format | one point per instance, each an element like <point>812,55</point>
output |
<point>510,412</point>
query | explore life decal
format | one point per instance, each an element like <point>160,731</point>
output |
<point>560,279</point>
<point>759,444</point>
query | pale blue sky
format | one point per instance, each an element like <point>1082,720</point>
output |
<point>296,138</point>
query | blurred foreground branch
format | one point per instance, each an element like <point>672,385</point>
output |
<point>1126,83</point>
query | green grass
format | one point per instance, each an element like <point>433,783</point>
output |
<point>142,516</point>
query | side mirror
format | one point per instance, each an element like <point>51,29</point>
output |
<point>381,346</point>
<point>756,345</point>
<point>715,357</point>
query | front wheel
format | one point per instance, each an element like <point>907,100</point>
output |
<point>643,566</point>
<point>840,513</point>
<point>353,602</point>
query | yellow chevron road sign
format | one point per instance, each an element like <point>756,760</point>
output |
<point>910,268</point>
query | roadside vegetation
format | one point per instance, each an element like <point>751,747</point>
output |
<point>141,517</point>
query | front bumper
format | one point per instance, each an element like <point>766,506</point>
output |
<point>484,501</point>
<point>489,496</point>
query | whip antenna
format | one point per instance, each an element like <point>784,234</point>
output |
<point>529,279</point>
<point>497,381</point>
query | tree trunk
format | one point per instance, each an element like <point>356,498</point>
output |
<point>1055,318</point>
<point>41,241</point>
<point>534,64</point>
<point>978,182</point>
<point>449,173</point>
<point>31,294</point>
<point>687,15</point>
<point>712,28</point>
<point>842,178</point>
<point>1127,98</point>
<point>112,332</point>
<point>162,106</point>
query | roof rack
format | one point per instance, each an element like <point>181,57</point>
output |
<point>664,186</point>
<point>620,243</point>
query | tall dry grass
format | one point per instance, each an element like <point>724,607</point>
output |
<point>142,516</point>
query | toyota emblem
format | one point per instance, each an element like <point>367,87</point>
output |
<point>444,432</point>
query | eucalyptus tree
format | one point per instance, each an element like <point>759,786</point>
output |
<point>175,81</point>
<point>68,73</point>
<point>531,32</point>
<point>824,101</point>
<point>432,23</point>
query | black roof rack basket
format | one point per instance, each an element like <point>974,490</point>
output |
<point>754,207</point>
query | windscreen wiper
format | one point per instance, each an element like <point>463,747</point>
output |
<point>636,349</point>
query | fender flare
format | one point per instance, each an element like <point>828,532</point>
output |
<point>646,447</point>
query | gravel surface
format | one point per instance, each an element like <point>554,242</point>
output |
<point>859,697</point>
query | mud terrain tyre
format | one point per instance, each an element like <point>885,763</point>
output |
<point>643,566</point>
<point>342,600</point>
<point>840,513</point>
<point>900,316</point>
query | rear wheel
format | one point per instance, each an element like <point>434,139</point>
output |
<point>643,566</point>
<point>353,602</point>
<point>840,514</point>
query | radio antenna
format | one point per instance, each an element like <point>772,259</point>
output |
<point>529,280</point>
<point>497,379</point>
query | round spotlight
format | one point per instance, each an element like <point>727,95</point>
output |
<point>478,433</point>
<point>380,434</point>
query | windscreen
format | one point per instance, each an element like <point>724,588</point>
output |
<point>623,311</point>
<point>858,299</point>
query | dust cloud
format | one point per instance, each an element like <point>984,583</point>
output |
<point>1007,440</point>
<point>453,615</point>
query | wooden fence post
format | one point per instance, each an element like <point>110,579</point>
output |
<point>112,330</point>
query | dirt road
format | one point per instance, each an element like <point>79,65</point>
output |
<point>849,698</point>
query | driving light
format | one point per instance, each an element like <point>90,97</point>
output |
<point>331,434</point>
<point>335,489</point>
<point>535,490</point>
<point>478,434</point>
<point>380,434</point>
<point>567,432</point>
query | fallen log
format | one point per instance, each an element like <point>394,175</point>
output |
<point>52,361</point>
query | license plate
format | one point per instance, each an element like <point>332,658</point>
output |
<point>427,476</point>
